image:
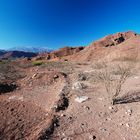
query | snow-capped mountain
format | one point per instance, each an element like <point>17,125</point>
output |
<point>30,49</point>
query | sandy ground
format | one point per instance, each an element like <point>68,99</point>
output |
<point>96,118</point>
<point>28,113</point>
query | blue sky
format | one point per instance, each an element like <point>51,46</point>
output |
<point>59,23</point>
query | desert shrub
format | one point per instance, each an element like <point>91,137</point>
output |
<point>99,65</point>
<point>2,62</point>
<point>37,63</point>
<point>122,68</point>
<point>133,96</point>
<point>113,83</point>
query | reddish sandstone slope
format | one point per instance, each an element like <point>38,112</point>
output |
<point>113,40</point>
<point>108,46</point>
<point>99,49</point>
<point>66,51</point>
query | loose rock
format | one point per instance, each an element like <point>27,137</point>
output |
<point>129,112</point>
<point>92,137</point>
<point>78,86</point>
<point>81,99</point>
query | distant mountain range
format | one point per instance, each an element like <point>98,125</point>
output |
<point>16,54</point>
<point>30,49</point>
<point>2,52</point>
<point>26,51</point>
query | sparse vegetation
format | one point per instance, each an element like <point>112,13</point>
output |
<point>2,62</point>
<point>128,98</point>
<point>99,65</point>
<point>37,63</point>
<point>113,78</point>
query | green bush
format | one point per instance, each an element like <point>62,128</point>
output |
<point>37,63</point>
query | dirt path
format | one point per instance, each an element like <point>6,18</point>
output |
<point>28,113</point>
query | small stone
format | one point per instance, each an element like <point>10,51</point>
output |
<point>63,134</point>
<point>81,99</point>
<point>78,86</point>
<point>62,115</point>
<point>111,107</point>
<point>12,97</point>
<point>108,119</point>
<point>136,77</point>
<point>34,75</point>
<point>20,98</point>
<point>129,112</point>
<point>47,114</point>
<point>121,124</point>
<point>55,124</point>
<point>87,107</point>
<point>127,125</point>
<point>103,129</point>
<point>92,137</point>
<point>56,76</point>
<point>101,99</point>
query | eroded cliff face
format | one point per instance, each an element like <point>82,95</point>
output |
<point>113,40</point>
<point>109,46</point>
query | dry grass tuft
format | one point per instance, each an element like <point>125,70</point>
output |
<point>128,98</point>
<point>99,65</point>
<point>37,63</point>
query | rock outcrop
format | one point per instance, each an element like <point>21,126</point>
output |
<point>66,51</point>
<point>113,40</point>
<point>110,46</point>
